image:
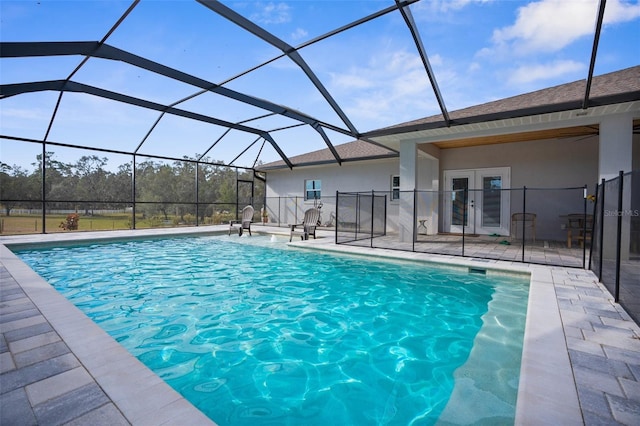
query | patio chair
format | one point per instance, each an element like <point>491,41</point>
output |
<point>579,227</point>
<point>244,223</point>
<point>308,225</point>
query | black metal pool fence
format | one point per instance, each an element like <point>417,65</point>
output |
<point>551,226</point>
<point>615,255</point>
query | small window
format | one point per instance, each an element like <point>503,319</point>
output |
<point>312,190</point>
<point>395,188</point>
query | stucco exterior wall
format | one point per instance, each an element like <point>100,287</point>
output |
<point>356,176</point>
<point>548,163</point>
<point>636,152</point>
<point>538,165</point>
<point>350,177</point>
<point>557,163</point>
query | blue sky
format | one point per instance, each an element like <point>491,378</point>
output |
<point>479,50</point>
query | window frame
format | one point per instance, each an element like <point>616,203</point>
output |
<point>395,189</point>
<point>316,191</point>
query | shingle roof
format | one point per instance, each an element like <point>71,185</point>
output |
<point>351,151</point>
<point>618,86</point>
<point>626,81</point>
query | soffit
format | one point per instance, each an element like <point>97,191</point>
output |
<point>561,133</point>
<point>567,132</point>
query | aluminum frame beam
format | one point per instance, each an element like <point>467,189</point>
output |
<point>70,86</point>
<point>594,51</point>
<point>105,51</point>
<point>283,46</point>
<point>411,24</point>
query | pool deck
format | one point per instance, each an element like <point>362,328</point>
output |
<point>580,365</point>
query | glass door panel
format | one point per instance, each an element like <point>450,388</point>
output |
<point>479,202</point>
<point>491,201</point>
<point>459,209</point>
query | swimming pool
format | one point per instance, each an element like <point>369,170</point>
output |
<point>263,334</point>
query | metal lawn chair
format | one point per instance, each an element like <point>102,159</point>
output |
<point>245,223</point>
<point>308,225</point>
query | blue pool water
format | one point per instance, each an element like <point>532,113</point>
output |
<point>253,332</point>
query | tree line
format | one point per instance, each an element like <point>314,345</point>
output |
<point>161,188</point>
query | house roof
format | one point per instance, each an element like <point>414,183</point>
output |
<point>352,151</point>
<point>607,89</point>
<point>616,87</point>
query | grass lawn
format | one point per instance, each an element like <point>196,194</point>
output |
<point>29,224</point>
<point>32,224</point>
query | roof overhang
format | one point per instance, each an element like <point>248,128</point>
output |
<point>280,166</point>
<point>515,126</point>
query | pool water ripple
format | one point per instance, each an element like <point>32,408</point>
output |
<point>253,332</point>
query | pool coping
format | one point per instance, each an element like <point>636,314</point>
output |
<point>547,390</point>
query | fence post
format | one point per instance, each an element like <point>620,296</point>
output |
<point>465,197</point>
<point>337,204</point>
<point>413,224</point>
<point>584,229</point>
<point>619,237</point>
<point>384,224</point>
<point>43,189</point>
<point>601,231</point>
<point>357,214</point>
<point>133,192</point>
<point>197,194</point>
<point>373,195</point>
<point>524,209</point>
<point>593,226</point>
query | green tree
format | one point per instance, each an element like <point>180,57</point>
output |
<point>118,187</point>
<point>184,186</point>
<point>10,193</point>
<point>59,182</point>
<point>155,188</point>
<point>91,180</point>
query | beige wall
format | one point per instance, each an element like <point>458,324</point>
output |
<point>350,177</point>
<point>547,163</point>
<point>636,152</point>
<point>558,163</point>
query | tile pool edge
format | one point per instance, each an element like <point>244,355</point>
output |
<point>139,394</point>
<point>547,391</point>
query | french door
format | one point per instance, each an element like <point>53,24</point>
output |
<point>477,202</point>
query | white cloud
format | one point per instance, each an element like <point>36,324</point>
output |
<point>271,13</point>
<point>23,114</point>
<point>351,80</point>
<point>531,73</point>
<point>543,35</point>
<point>619,11</point>
<point>299,33</point>
<point>447,5</point>
<point>393,86</point>
<point>551,25</point>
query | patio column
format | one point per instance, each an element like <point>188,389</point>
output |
<point>408,173</point>
<point>427,195</point>
<point>615,148</point>
<point>615,154</point>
